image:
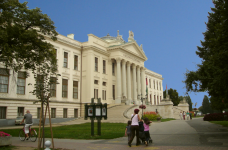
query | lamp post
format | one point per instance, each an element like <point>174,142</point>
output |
<point>141,98</point>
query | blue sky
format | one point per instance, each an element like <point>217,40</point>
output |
<point>169,30</point>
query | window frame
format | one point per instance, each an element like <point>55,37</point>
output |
<point>24,78</point>
<point>104,67</point>
<point>65,112</point>
<point>75,62</point>
<point>5,75</point>
<point>113,92</point>
<point>3,114</point>
<point>54,84</point>
<point>96,64</point>
<point>76,91</point>
<point>65,63</point>
<point>53,114</point>
<point>21,111</point>
<point>63,84</point>
<point>113,68</point>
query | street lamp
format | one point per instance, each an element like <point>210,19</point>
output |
<point>141,98</point>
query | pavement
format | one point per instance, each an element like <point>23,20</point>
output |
<point>193,134</point>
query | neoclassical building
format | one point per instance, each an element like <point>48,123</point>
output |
<point>108,68</point>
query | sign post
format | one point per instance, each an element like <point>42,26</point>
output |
<point>96,111</point>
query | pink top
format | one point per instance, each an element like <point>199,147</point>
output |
<point>146,127</point>
<point>135,120</point>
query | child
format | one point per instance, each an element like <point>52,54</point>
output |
<point>128,130</point>
<point>146,130</point>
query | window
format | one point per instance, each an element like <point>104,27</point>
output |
<point>113,92</point>
<point>64,87</point>
<point>157,100</point>
<point>21,77</point>
<point>157,85</point>
<point>95,93</point>
<point>53,86</point>
<point>75,89</point>
<point>53,112</point>
<point>39,84</point>
<point>64,112</point>
<point>20,111</point>
<point>95,81</point>
<point>38,112</point>
<point>4,80</point>
<point>104,66</point>
<point>113,68</point>
<point>65,62</point>
<point>154,100</point>
<point>160,85</point>
<point>2,112</point>
<point>104,83</point>
<point>160,98</point>
<point>103,94</point>
<point>75,113</point>
<point>150,99</point>
<point>96,64</point>
<point>75,62</point>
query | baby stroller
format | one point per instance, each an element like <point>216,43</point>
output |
<point>142,136</point>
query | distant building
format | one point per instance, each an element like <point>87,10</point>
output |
<point>108,68</point>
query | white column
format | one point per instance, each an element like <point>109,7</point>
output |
<point>138,80</point>
<point>143,80</point>
<point>124,77</point>
<point>134,83</point>
<point>129,82</point>
<point>118,82</point>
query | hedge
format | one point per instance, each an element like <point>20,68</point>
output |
<point>216,117</point>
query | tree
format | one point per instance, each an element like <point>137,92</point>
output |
<point>189,101</point>
<point>206,106</point>
<point>211,75</point>
<point>22,41</point>
<point>173,96</point>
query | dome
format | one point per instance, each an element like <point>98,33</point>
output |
<point>109,38</point>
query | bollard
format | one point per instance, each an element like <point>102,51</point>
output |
<point>48,145</point>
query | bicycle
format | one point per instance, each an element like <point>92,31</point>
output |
<point>32,134</point>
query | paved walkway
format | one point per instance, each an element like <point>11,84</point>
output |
<point>194,134</point>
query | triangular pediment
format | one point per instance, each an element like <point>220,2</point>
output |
<point>132,48</point>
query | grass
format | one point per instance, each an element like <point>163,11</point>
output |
<point>223,123</point>
<point>167,119</point>
<point>197,116</point>
<point>80,131</point>
<point>7,147</point>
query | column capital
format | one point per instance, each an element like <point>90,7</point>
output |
<point>123,61</point>
<point>118,59</point>
<point>133,66</point>
<point>128,63</point>
<point>143,68</point>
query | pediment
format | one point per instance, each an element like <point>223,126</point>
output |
<point>132,48</point>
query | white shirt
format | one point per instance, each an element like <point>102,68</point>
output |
<point>135,120</point>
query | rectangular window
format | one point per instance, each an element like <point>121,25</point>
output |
<point>95,93</point>
<point>64,112</point>
<point>104,83</point>
<point>113,92</point>
<point>64,87</point>
<point>160,98</point>
<point>53,112</point>
<point>75,62</point>
<point>4,80</point>
<point>154,100</point>
<point>39,84</point>
<point>95,81</point>
<point>20,111</point>
<point>75,113</point>
<point>75,89</point>
<point>2,112</point>
<point>157,100</point>
<point>103,94</point>
<point>113,68</point>
<point>65,62</point>
<point>21,77</point>
<point>160,85</point>
<point>154,84</point>
<point>53,86</point>
<point>150,83</point>
<point>96,64</point>
<point>150,99</point>
<point>38,112</point>
<point>104,66</point>
<point>157,85</point>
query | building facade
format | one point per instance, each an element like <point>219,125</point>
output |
<point>108,68</point>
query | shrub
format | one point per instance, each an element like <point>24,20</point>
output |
<point>215,117</point>
<point>151,115</point>
<point>3,134</point>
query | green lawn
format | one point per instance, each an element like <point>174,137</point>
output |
<point>167,119</point>
<point>223,123</point>
<point>81,131</point>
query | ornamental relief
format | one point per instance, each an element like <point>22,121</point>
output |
<point>132,58</point>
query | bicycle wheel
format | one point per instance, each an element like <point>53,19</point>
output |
<point>33,135</point>
<point>22,135</point>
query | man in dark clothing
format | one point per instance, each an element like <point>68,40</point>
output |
<point>28,122</point>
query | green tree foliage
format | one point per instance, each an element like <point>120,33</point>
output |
<point>189,101</point>
<point>22,31</point>
<point>206,106</point>
<point>212,74</point>
<point>173,96</point>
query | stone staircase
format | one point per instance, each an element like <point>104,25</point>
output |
<point>176,112</point>
<point>117,113</point>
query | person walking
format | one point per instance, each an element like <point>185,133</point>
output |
<point>28,123</point>
<point>187,115</point>
<point>135,127</point>
<point>128,130</point>
<point>181,115</point>
<point>146,129</point>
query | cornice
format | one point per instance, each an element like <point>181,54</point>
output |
<point>96,49</point>
<point>153,74</point>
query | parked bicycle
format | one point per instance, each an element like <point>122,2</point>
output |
<point>32,134</point>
